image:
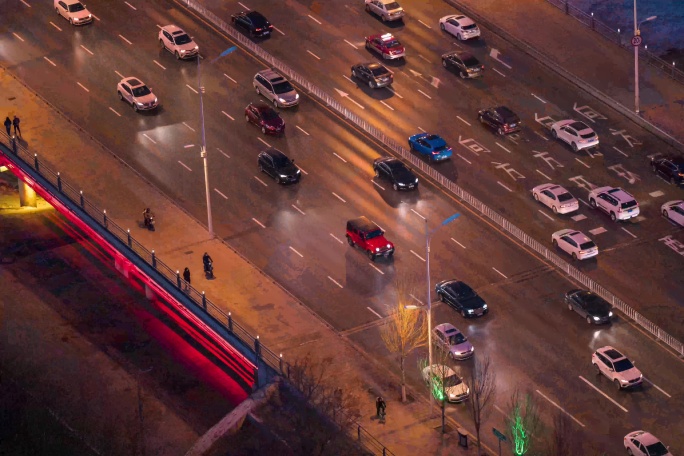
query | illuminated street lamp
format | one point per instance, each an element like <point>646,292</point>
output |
<point>203,150</point>
<point>636,42</point>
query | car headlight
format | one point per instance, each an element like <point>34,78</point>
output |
<point>457,353</point>
<point>139,104</point>
<point>610,314</point>
<point>401,184</point>
<point>389,246</point>
<point>596,318</point>
<point>182,51</point>
<point>196,48</point>
<point>296,96</point>
<point>90,16</point>
<point>283,176</point>
<point>282,100</point>
<point>484,306</point>
<point>155,99</point>
<point>452,395</point>
<point>299,172</point>
<point>470,311</point>
<point>624,381</point>
<point>377,249</point>
<point>416,180</point>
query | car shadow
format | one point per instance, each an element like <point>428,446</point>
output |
<point>377,94</point>
<point>394,198</point>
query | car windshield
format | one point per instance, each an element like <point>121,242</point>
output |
<point>623,365</point>
<point>281,161</point>
<point>374,234</point>
<point>392,6</point>
<point>464,292</point>
<point>587,245</point>
<point>392,43</point>
<point>628,204</point>
<point>469,27</point>
<point>76,7</point>
<point>588,135</point>
<point>257,19</point>
<point>269,114</point>
<point>471,61</point>
<point>283,87</point>
<point>182,39</point>
<point>656,449</point>
<point>379,71</point>
<point>141,91</point>
<point>457,339</point>
<point>564,197</point>
<point>452,380</point>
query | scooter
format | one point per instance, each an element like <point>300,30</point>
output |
<point>149,222</point>
<point>209,269</point>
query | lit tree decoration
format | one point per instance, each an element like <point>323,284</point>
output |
<point>521,438</point>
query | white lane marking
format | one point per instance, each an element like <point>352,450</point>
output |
<point>494,69</point>
<point>314,19</point>
<point>458,242</point>
<point>376,268</point>
<point>96,18</point>
<point>336,238</point>
<point>22,1</point>
<point>258,222</point>
<point>82,86</point>
<point>585,203</point>
<point>499,410</point>
<point>540,135</point>
<point>377,185</point>
<point>313,54</point>
<point>393,91</point>
<point>50,61</point>
<point>339,197</point>
<point>159,64</point>
<point>560,408</point>
<point>582,162</point>
<point>224,154</point>
<point>295,251</point>
<point>302,170</point>
<point>132,7</point>
<point>335,154</point>
<point>347,78</point>
<point>546,215</point>
<point>227,115</point>
<point>657,387</point>
<point>419,257</point>
<point>55,26</point>
<point>189,87</point>
<point>351,44</point>
<point>579,217</point>
<point>500,183</point>
<point>620,151</point>
<point>119,74</point>
<point>374,312</point>
<point>418,214</point>
<point>279,31</point>
<point>599,230</point>
<point>302,130</point>
<point>188,146</point>
<point>112,109</point>
<point>230,78</point>
<point>219,192</point>
<point>538,98</point>
<point>262,182</point>
<point>188,126</point>
<point>267,144</point>
<point>388,106</point>
<point>87,50</point>
<point>424,24</point>
<point>244,6</point>
<point>656,194</point>
<point>602,393</point>
<point>625,230</point>
<point>547,177</point>
<point>425,94</point>
<point>378,225</point>
<point>185,166</point>
<point>153,141</point>
<point>159,26</point>
<point>298,209</point>
<point>18,37</point>
<point>419,55</point>
<point>500,273</point>
<point>335,282</point>
<point>502,147</point>
<point>124,38</point>
<point>421,129</point>
<point>416,299</point>
<point>510,138</point>
<point>465,159</point>
<point>463,121</point>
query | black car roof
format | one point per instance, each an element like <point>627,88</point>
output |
<point>256,17</point>
<point>504,111</point>
<point>363,224</point>
<point>273,152</point>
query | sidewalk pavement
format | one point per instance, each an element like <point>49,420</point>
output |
<point>589,56</point>
<point>283,323</point>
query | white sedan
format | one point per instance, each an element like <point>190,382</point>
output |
<point>556,197</point>
<point>445,383</point>
<point>642,443</point>
<point>574,243</point>
<point>462,27</point>
<point>674,210</point>
<point>578,134</point>
<point>73,11</point>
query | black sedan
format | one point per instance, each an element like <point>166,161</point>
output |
<point>462,298</point>
<point>670,168</point>
<point>252,22</point>
<point>276,164</point>
<point>372,73</point>
<point>465,63</point>
<point>592,307</point>
<point>500,118</point>
<point>396,172</point>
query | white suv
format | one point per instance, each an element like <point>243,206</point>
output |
<point>617,367</point>
<point>388,10</point>
<point>578,134</point>
<point>574,243</point>
<point>615,202</point>
<point>177,42</point>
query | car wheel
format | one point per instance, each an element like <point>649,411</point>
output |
<point>442,27</point>
<point>367,45</point>
<point>655,170</point>
<point>629,452</point>
<point>554,209</point>
<point>71,21</point>
<point>395,187</point>
<point>459,37</point>
<point>371,84</point>
<point>161,44</point>
<point>441,297</point>
<point>480,118</point>
<point>617,384</point>
<point>672,181</point>
<point>612,216</point>
<point>536,196</point>
<point>555,243</point>
<point>275,103</point>
<point>385,18</point>
<point>350,241</point>
<point>246,117</point>
<point>120,95</point>
<point>665,214</point>
<point>589,320</point>
<point>462,74</point>
<point>463,313</point>
<point>367,8</point>
<point>574,256</point>
<point>57,11</point>
<point>500,131</point>
<point>261,169</point>
<point>370,255</point>
<point>445,64</point>
<point>598,371</point>
<point>177,55</point>
<point>569,306</point>
<point>377,172</point>
<point>592,202</point>
<point>554,133</point>
<point>135,107</point>
<point>353,73</point>
<point>574,147</point>
<point>256,89</point>
<point>263,130</point>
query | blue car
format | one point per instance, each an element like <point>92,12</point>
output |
<point>431,145</point>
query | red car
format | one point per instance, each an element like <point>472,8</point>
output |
<point>265,117</point>
<point>386,45</point>
<point>369,237</point>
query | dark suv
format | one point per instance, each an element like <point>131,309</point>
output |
<point>465,63</point>
<point>670,168</point>
<point>276,164</point>
<point>369,237</point>
<point>502,119</point>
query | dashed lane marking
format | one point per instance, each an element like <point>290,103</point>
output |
<point>302,170</point>
<point>112,109</point>
<point>132,7</point>
<point>336,238</point>
<point>602,393</point>
<point>501,273</point>
<point>192,129</point>
<point>388,106</point>
<point>579,217</point>
<point>376,268</point>
<point>159,65</point>
<point>258,222</point>
<point>185,166</point>
<point>191,88</point>
<point>152,140</point>
<point>535,96</point>
<point>87,50</point>
<point>279,31</point>
<point>18,37</point>
<point>394,91</point>
<point>295,251</point>
<point>267,144</point>
<point>223,153</point>
<point>547,177</point>
<point>657,387</point>
<point>560,408</point>
<point>82,86</point>
<point>339,197</point>
<point>504,186</point>
<point>262,182</point>
<point>418,213</point>
<point>463,121</point>
<point>335,154</point>
<point>50,62</point>
<point>55,26</point>
<point>424,58</point>
<point>298,210</point>
<point>244,6</point>
<point>220,193</point>
<point>424,24</point>
<point>377,185</point>
<point>302,130</point>
<point>425,94</point>
<point>230,78</point>
<point>124,38</point>
<point>620,151</point>
<point>317,57</point>
<point>458,242</point>
<point>314,19</point>
<point>465,159</point>
<point>502,147</point>
<point>227,115</point>
<point>582,162</point>
<point>335,282</point>
<point>374,312</point>
<point>656,194</point>
<point>188,146</point>
<point>628,232</point>
<point>416,299</point>
<point>351,44</point>
<point>419,257</point>
<point>546,215</point>
<point>503,75</point>
<point>119,74</point>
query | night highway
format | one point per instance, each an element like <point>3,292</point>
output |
<point>296,233</point>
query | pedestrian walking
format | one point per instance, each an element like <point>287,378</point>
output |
<point>15,122</point>
<point>8,126</point>
<point>380,407</point>
<point>186,277</point>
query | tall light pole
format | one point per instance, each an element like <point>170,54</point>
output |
<point>203,150</point>
<point>636,42</point>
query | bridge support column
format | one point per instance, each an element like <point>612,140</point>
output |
<point>121,265</point>
<point>149,293</point>
<point>27,196</point>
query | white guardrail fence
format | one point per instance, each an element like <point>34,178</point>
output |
<point>438,178</point>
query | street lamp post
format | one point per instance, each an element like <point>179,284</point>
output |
<point>637,33</point>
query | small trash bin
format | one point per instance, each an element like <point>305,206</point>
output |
<point>462,437</point>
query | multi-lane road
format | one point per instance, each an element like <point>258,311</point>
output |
<point>296,234</point>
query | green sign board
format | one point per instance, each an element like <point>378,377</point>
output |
<point>499,435</point>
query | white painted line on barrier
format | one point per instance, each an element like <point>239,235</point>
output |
<point>153,141</point>
<point>376,268</point>
<point>302,130</point>
<point>50,61</point>
<point>535,96</point>
<point>159,64</point>
<point>602,393</point>
<point>191,88</point>
<point>313,54</point>
<point>55,26</point>
<point>124,38</point>
<point>335,154</point>
<point>267,144</point>
<point>628,232</point>
<point>560,408</point>
<point>82,86</point>
<point>463,121</point>
<point>377,185</point>
<point>295,251</point>
<point>501,183</point>
<point>299,210</point>
<point>546,215</point>
<point>547,177</point>
<point>227,115</point>
<point>579,217</point>
<point>258,222</point>
<point>262,182</point>
<point>420,257</point>
<point>188,126</point>
<point>425,94</point>
<point>87,50</point>
<point>656,194</point>
<point>351,44</point>
<point>620,151</point>
<point>335,282</point>
<point>314,19</point>
<point>230,78</point>
<point>220,193</point>
<point>374,312</point>
<point>388,106</point>
<point>582,162</point>
<point>339,197</point>
<point>502,147</point>
<point>458,242</point>
<point>112,109</point>
<point>185,166</point>
<point>657,387</point>
<point>465,159</point>
<point>503,75</point>
<point>336,238</point>
<point>500,273</point>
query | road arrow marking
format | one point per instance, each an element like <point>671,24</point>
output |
<point>494,53</point>
<point>346,95</point>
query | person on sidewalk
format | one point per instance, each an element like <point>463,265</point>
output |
<point>186,277</point>
<point>208,265</point>
<point>17,130</point>
<point>8,126</point>
<point>380,407</point>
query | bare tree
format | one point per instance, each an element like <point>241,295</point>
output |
<point>523,421</point>
<point>443,383</point>
<point>482,389</point>
<point>405,330</point>
<point>564,441</point>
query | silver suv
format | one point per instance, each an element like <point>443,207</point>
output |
<point>276,88</point>
<point>615,202</point>
<point>177,42</point>
<point>617,367</point>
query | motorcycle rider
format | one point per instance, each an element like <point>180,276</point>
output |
<point>206,259</point>
<point>147,217</point>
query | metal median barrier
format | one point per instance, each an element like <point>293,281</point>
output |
<point>476,204</point>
